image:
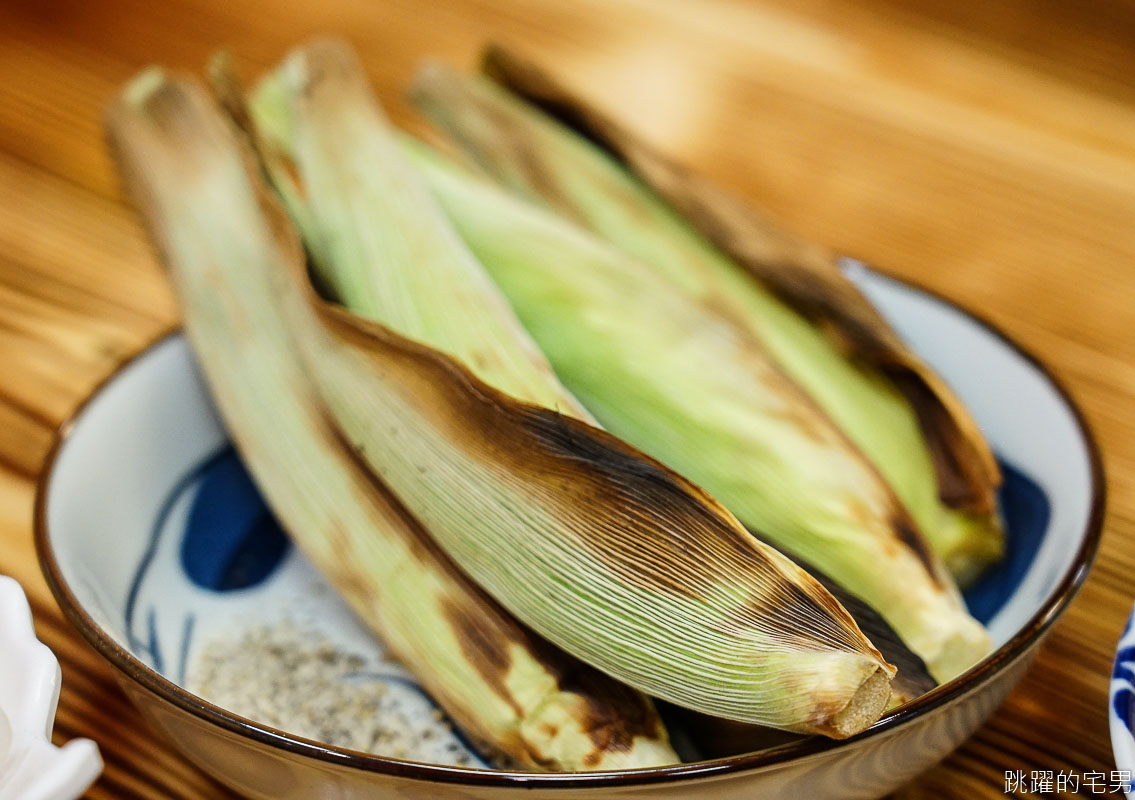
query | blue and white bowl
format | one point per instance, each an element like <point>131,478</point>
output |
<point>161,552</point>
<point>1121,705</point>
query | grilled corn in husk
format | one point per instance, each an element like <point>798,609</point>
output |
<point>669,375</point>
<point>790,295</point>
<point>599,548</point>
<point>510,691</point>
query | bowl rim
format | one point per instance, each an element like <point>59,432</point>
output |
<point>942,695</point>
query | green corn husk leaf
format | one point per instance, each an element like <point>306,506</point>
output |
<point>509,690</point>
<point>703,397</point>
<point>820,329</point>
<point>597,547</point>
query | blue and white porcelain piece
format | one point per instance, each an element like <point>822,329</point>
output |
<point>156,544</point>
<point>1121,703</point>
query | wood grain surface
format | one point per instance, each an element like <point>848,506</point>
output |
<point>986,149</point>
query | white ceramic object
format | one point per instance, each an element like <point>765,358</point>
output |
<point>31,767</point>
<point>150,602</point>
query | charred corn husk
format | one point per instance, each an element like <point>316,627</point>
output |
<point>513,693</point>
<point>790,295</point>
<point>597,547</point>
<point>666,373</point>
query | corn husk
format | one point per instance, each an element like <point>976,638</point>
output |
<point>789,294</point>
<point>707,399</point>
<point>510,691</point>
<point>597,547</point>
<point>714,737</point>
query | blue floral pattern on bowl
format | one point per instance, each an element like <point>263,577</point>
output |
<point>1121,705</point>
<point>218,558</point>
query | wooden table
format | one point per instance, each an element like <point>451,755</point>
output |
<point>987,151</point>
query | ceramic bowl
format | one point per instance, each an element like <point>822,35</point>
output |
<point>160,551</point>
<point>1121,705</point>
<point>31,767</point>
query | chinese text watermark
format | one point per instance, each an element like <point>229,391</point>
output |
<point>1049,782</point>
